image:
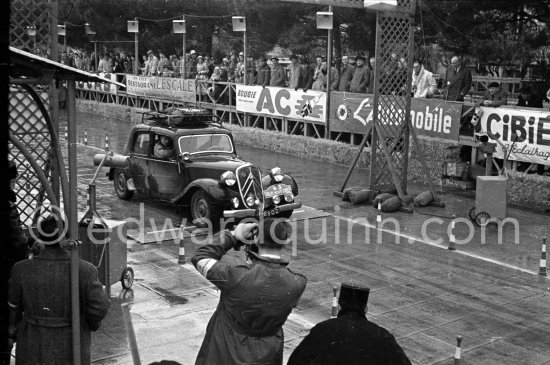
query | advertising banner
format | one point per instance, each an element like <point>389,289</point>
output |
<point>280,102</point>
<point>525,133</point>
<point>161,87</point>
<point>430,117</point>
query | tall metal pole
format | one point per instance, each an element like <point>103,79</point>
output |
<point>183,54</point>
<point>329,69</point>
<point>65,38</point>
<point>72,219</point>
<point>244,57</point>
<point>136,54</point>
<point>53,90</point>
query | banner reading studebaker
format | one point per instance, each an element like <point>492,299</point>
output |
<point>161,87</point>
<point>280,102</point>
<point>525,133</point>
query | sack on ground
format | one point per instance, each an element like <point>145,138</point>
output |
<point>391,205</point>
<point>380,198</point>
<point>423,199</point>
<point>359,197</point>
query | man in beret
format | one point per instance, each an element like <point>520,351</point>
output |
<point>350,338</point>
<point>256,297</point>
<point>40,295</point>
<point>278,74</point>
<point>494,95</point>
<point>264,73</point>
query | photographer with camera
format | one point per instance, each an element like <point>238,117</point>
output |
<point>256,297</point>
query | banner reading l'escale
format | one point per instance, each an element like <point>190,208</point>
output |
<point>161,87</point>
<point>280,102</point>
<point>525,133</point>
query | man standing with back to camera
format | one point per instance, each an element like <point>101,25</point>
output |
<point>256,297</point>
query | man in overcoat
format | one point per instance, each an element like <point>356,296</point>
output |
<point>459,81</point>
<point>256,296</point>
<point>349,339</point>
<point>40,294</point>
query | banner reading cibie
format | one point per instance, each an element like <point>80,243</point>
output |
<point>280,102</point>
<point>161,87</point>
<point>530,129</point>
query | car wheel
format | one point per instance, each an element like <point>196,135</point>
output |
<point>121,186</point>
<point>202,208</point>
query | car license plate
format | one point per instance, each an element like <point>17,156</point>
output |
<point>269,212</point>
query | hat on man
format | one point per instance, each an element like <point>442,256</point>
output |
<point>293,57</point>
<point>241,53</point>
<point>275,232</point>
<point>302,59</point>
<point>352,295</point>
<point>360,57</point>
<point>192,52</point>
<point>494,84</point>
<point>274,58</point>
<point>149,52</point>
<point>49,231</point>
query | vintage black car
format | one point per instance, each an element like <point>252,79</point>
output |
<point>196,166</point>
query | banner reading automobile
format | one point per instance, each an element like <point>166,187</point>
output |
<point>430,117</point>
<point>529,128</point>
<point>161,87</point>
<point>281,102</point>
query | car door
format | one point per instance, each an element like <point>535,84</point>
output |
<point>166,176</point>
<point>139,160</point>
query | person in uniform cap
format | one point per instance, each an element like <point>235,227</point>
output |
<point>256,297</point>
<point>40,296</point>
<point>350,338</point>
<point>494,95</point>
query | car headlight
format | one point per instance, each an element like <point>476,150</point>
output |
<point>235,202</point>
<point>250,201</point>
<point>228,178</point>
<point>276,174</point>
<point>289,197</point>
<point>276,199</point>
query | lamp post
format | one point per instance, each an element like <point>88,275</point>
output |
<point>133,27</point>
<point>324,21</point>
<point>239,25</point>
<point>91,33</point>
<point>179,28</point>
<point>62,30</point>
<point>31,31</point>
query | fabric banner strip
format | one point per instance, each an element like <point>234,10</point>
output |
<point>161,87</point>
<point>431,117</point>
<point>281,102</point>
<point>525,134</point>
<point>100,86</point>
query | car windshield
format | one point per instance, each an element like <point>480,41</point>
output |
<point>203,143</point>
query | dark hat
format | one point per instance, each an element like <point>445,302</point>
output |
<point>293,57</point>
<point>275,232</point>
<point>48,231</point>
<point>12,170</point>
<point>360,57</point>
<point>353,295</point>
<point>274,58</point>
<point>149,52</point>
<point>302,59</point>
<point>494,84</point>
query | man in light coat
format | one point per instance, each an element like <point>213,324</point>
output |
<point>423,82</point>
<point>256,297</point>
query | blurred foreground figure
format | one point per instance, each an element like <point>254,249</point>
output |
<point>256,296</point>
<point>40,301</point>
<point>350,338</point>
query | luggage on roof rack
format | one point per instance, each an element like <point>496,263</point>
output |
<point>180,116</point>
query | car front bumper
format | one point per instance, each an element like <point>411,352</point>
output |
<point>244,213</point>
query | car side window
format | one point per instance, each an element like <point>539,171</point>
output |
<point>142,143</point>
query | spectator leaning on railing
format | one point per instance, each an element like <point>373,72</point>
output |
<point>264,73</point>
<point>346,75</point>
<point>494,95</point>
<point>361,77</point>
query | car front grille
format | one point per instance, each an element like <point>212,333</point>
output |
<point>249,179</point>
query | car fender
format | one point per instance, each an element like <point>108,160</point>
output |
<point>287,179</point>
<point>210,186</point>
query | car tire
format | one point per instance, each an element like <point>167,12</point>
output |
<point>202,208</point>
<point>121,187</point>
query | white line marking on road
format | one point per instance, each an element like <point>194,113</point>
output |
<point>412,239</point>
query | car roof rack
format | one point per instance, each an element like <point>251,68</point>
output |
<point>180,117</point>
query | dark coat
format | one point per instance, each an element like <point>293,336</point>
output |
<point>534,101</point>
<point>41,289</point>
<point>349,339</point>
<point>278,76</point>
<point>255,301</point>
<point>264,75</point>
<point>305,78</point>
<point>458,84</point>
<point>361,79</point>
<point>345,78</point>
<point>498,98</point>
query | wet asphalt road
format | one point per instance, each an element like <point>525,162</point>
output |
<point>423,294</point>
